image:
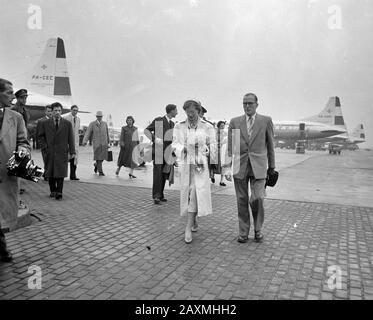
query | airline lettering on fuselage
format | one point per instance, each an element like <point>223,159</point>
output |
<point>36,77</point>
<point>324,116</point>
<point>285,127</point>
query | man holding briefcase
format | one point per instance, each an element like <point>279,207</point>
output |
<point>98,133</point>
<point>250,141</point>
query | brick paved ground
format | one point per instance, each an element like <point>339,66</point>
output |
<point>114,243</point>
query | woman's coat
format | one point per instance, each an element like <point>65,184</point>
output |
<point>129,154</point>
<point>184,137</point>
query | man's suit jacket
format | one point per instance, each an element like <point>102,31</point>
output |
<point>12,135</point>
<point>57,145</point>
<point>259,148</point>
<point>160,128</point>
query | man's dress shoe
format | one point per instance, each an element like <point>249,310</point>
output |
<point>58,196</point>
<point>242,239</point>
<point>258,236</point>
<point>6,257</point>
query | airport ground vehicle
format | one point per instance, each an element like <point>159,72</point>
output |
<point>335,148</point>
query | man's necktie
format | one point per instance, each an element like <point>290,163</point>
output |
<point>1,117</point>
<point>56,124</point>
<point>74,122</point>
<point>250,126</point>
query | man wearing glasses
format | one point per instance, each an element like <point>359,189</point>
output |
<point>250,141</point>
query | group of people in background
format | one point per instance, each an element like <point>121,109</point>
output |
<point>246,153</point>
<point>194,146</point>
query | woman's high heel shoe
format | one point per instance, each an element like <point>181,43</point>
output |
<point>132,176</point>
<point>117,172</point>
<point>188,236</point>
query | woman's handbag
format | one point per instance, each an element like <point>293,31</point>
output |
<point>109,155</point>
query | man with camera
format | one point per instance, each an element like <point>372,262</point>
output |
<point>13,137</point>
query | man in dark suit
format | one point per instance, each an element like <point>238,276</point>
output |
<point>250,141</point>
<point>57,138</point>
<point>160,133</point>
<point>48,115</point>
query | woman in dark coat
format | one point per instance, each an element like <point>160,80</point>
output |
<point>129,139</point>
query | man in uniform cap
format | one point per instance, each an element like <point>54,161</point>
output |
<point>20,107</point>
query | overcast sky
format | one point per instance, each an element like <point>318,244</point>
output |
<point>134,57</point>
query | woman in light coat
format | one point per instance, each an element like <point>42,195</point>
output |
<point>193,141</point>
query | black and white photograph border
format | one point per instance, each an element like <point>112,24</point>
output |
<point>303,68</point>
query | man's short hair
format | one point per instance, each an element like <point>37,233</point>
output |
<point>3,83</point>
<point>48,106</point>
<point>170,107</point>
<point>251,94</point>
<point>195,103</point>
<point>56,105</point>
<point>220,122</point>
<point>74,106</point>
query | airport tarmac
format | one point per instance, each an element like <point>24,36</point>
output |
<point>315,176</point>
<point>107,240</point>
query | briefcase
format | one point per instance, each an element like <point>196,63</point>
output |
<point>271,179</point>
<point>109,156</point>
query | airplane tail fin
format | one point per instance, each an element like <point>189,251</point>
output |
<point>330,115</point>
<point>358,132</point>
<point>50,76</point>
<point>109,121</point>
